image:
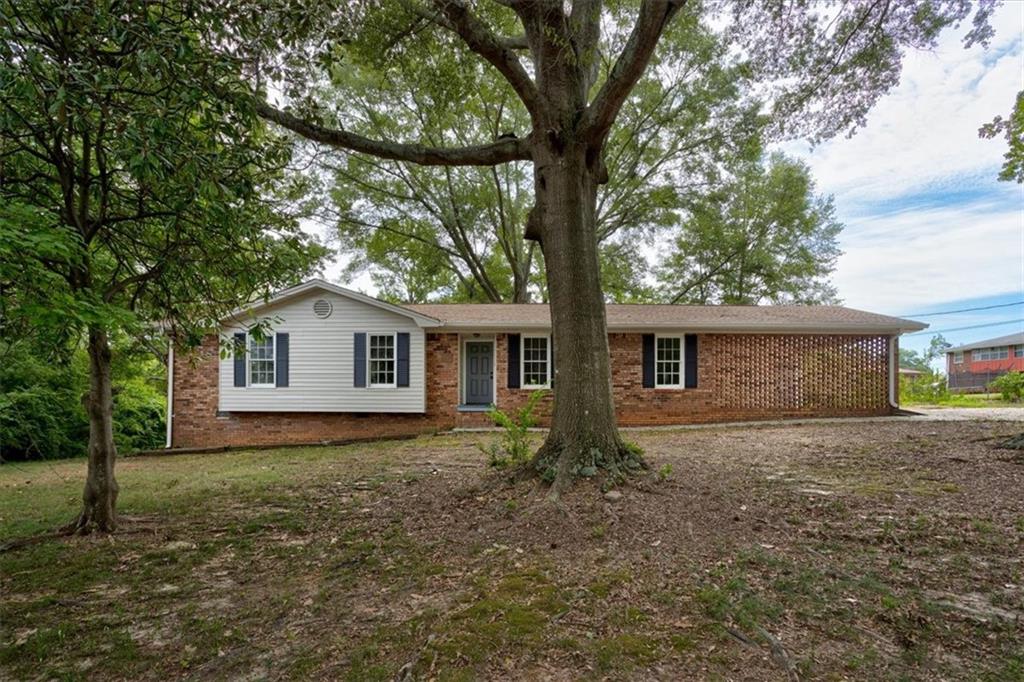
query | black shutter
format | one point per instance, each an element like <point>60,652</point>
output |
<point>691,361</point>
<point>359,358</point>
<point>403,359</point>
<point>551,360</point>
<point>239,350</point>
<point>513,360</point>
<point>281,364</point>
<point>648,360</point>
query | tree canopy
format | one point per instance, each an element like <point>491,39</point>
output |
<point>130,194</point>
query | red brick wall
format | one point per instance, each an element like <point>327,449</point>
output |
<point>741,377</point>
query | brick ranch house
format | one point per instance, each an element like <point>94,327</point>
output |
<point>972,367</point>
<point>341,365</point>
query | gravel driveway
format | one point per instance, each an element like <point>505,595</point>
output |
<point>969,413</point>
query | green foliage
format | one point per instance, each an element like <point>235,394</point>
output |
<point>1010,386</point>
<point>664,472</point>
<point>928,388</point>
<point>41,413</point>
<point>911,359</point>
<point>1012,129</point>
<point>513,448</point>
<point>764,237</point>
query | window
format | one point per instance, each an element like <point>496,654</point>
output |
<point>535,361</point>
<point>381,360</point>
<point>991,353</point>
<point>261,361</point>
<point>1018,352</point>
<point>668,362</point>
<point>958,358</point>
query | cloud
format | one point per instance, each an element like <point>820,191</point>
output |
<point>926,219</point>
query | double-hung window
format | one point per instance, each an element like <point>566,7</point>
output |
<point>261,361</point>
<point>1018,352</point>
<point>381,360</point>
<point>958,358</point>
<point>1001,353</point>
<point>668,362</point>
<point>536,361</point>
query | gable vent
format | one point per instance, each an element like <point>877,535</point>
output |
<point>322,308</point>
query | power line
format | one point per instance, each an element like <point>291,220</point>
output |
<point>965,310</point>
<point>960,329</point>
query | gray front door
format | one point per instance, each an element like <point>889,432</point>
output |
<point>479,373</point>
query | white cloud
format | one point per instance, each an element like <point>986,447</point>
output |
<point>925,132</point>
<point>926,219</point>
<point>908,259</point>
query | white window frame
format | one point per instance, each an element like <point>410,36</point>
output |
<point>1018,351</point>
<point>958,358</point>
<point>990,354</point>
<point>394,359</point>
<point>682,361</point>
<point>249,339</point>
<point>547,361</point>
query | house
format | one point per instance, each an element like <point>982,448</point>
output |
<point>341,365</point>
<point>972,367</point>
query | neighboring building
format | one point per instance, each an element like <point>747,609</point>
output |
<point>342,365</point>
<point>972,367</point>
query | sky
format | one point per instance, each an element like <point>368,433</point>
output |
<point>928,226</point>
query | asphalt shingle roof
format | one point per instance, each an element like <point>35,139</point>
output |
<point>691,317</point>
<point>1008,340</point>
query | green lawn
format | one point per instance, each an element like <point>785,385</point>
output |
<point>965,400</point>
<point>838,551</point>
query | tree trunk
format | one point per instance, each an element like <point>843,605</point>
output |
<point>99,498</point>
<point>583,435</point>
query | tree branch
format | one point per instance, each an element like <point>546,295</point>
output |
<point>482,40</point>
<point>655,15</point>
<point>500,151</point>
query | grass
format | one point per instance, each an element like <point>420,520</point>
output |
<point>364,561</point>
<point>963,400</point>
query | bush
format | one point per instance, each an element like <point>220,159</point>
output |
<point>928,388</point>
<point>513,447</point>
<point>1010,386</point>
<point>41,412</point>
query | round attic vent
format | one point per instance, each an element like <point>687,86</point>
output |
<point>322,308</point>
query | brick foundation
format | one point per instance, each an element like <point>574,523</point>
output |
<point>741,377</point>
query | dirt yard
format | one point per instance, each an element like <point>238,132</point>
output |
<point>832,551</point>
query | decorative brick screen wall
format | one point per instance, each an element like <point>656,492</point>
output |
<point>741,377</point>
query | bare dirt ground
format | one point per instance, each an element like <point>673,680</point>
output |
<point>834,551</point>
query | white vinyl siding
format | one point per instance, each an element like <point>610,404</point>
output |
<point>321,362</point>
<point>668,362</point>
<point>536,361</point>
<point>261,362</point>
<point>381,360</point>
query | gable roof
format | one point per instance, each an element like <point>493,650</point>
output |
<point>621,316</point>
<point>421,319</point>
<point>1014,339</point>
<point>711,318</point>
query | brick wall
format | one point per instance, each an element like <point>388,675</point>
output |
<point>741,377</point>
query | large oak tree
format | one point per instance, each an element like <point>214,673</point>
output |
<point>821,67</point>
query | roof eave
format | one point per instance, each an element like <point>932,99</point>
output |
<point>237,315</point>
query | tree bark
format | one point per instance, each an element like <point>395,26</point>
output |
<point>583,435</point>
<point>99,499</point>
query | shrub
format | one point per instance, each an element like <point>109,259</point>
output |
<point>1010,385</point>
<point>928,388</point>
<point>513,448</point>
<point>41,413</point>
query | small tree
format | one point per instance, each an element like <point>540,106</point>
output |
<point>128,193</point>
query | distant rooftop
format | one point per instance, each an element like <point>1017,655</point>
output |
<point>1014,339</point>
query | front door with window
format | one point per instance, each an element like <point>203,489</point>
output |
<point>479,373</point>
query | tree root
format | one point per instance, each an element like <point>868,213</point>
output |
<point>560,463</point>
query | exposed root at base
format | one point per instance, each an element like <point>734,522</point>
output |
<point>560,463</point>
